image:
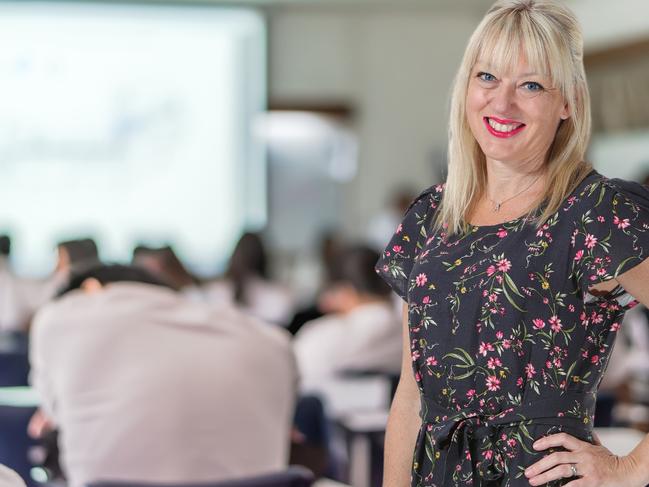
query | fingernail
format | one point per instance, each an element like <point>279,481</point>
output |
<point>536,445</point>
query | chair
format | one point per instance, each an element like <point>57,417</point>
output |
<point>294,476</point>
<point>14,361</point>
<point>14,441</point>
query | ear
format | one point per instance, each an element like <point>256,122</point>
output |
<point>91,286</point>
<point>565,112</point>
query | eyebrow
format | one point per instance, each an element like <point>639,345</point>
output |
<point>524,75</point>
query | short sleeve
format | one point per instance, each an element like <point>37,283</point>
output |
<point>397,260</point>
<point>611,234</point>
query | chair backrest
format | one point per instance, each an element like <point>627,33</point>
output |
<point>14,361</point>
<point>294,476</point>
<point>14,441</point>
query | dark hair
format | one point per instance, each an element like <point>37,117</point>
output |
<point>171,269</point>
<point>83,253</point>
<point>5,245</point>
<point>248,260</point>
<point>107,274</point>
<point>356,268</point>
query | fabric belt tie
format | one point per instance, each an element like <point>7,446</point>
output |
<point>462,426</point>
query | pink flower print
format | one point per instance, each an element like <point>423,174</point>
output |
<point>470,393</point>
<point>488,454</point>
<point>502,233</point>
<point>499,279</point>
<point>421,279</point>
<point>519,382</point>
<point>493,383</point>
<point>417,376</point>
<point>539,324</point>
<point>579,255</point>
<point>615,326</point>
<point>415,355</point>
<point>484,348</point>
<point>594,359</point>
<point>545,300</point>
<point>591,241</point>
<point>511,442</point>
<point>621,223</point>
<point>493,297</point>
<point>548,364</point>
<point>397,248</point>
<point>555,324</point>
<point>399,228</point>
<point>601,219</point>
<point>507,344</point>
<point>432,361</point>
<point>426,300</point>
<point>504,265</point>
<point>491,270</point>
<point>571,308</point>
<point>499,335</point>
<point>493,362</point>
<point>530,371</point>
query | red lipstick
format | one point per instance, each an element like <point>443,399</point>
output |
<point>502,135</point>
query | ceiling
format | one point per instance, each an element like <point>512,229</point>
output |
<point>470,6</point>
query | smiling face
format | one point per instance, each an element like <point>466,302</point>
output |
<point>513,114</point>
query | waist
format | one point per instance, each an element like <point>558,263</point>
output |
<point>561,408</point>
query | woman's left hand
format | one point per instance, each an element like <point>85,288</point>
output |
<point>595,465</point>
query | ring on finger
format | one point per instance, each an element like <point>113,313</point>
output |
<point>573,467</point>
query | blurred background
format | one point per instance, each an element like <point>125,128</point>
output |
<point>176,127</point>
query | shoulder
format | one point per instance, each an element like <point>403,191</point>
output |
<point>429,198</point>
<point>602,193</point>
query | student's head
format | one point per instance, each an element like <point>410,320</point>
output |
<point>164,264</point>
<point>248,260</point>
<point>5,245</point>
<point>94,279</point>
<point>355,281</point>
<point>249,257</point>
<point>76,255</point>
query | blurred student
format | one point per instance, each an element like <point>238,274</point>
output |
<point>145,385</point>
<point>74,256</point>
<point>360,335</point>
<point>19,297</point>
<point>165,264</point>
<point>247,283</point>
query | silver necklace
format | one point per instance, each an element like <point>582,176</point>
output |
<point>498,204</point>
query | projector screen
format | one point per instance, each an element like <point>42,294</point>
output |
<point>130,124</point>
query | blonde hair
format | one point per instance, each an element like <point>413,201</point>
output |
<point>549,37</point>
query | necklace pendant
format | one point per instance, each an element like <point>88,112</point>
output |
<point>497,207</point>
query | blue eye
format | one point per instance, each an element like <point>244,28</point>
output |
<point>486,76</point>
<point>532,86</point>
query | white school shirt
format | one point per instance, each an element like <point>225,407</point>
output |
<point>147,386</point>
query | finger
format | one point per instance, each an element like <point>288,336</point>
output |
<point>562,471</point>
<point>560,439</point>
<point>550,461</point>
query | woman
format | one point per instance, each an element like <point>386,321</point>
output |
<point>516,274</point>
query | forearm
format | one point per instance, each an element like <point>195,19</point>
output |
<point>639,458</point>
<point>401,434</point>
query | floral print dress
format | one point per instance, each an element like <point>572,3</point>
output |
<point>507,343</point>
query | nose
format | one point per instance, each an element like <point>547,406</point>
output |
<point>504,98</point>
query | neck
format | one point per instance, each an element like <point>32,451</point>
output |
<point>505,181</point>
